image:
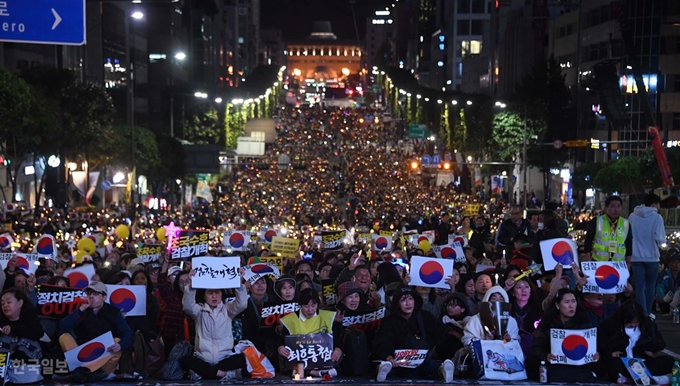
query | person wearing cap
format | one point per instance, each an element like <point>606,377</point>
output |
<point>91,320</point>
<point>475,329</point>
<point>609,236</point>
<point>351,298</point>
<point>409,327</point>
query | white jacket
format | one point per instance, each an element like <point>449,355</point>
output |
<point>474,329</point>
<point>214,338</point>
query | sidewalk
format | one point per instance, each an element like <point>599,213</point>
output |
<point>669,331</point>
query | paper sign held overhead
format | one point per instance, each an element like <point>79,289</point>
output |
<point>428,272</point>
<point>216,272</point>
<point>558,251</point>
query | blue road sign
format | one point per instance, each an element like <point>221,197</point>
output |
<point>436,159</point>
<point>426,160</point>
<point>106,185</point>
<point>43,21</point>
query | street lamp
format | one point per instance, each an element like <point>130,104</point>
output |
<point>137,15</point>
<point>218,100</point>
<point>180,56</point>
<point>199,94</point>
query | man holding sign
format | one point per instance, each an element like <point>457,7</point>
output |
<point>91,320</point>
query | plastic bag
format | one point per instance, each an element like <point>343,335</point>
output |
<point>257,363</point>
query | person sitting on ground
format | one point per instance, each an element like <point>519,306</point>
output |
<point>89,321</point>
<point>409,328</point>
<point>213,356</point>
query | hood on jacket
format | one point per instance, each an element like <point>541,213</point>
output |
<point>645,211</point>
<point>280,281</point>
<point>404,290</point>
<point>493,290</point>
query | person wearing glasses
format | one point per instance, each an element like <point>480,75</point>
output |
<point>511,227</point>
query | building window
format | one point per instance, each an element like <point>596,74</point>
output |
<point>478,6</point>
<point>463,27</point>
<point>463,6</point>
<point>477,27</point>
<point>676,121</point>
<point>469,47</point>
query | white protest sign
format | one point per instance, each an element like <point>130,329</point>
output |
<point>216,272</point>
<point>86,353</point>
<point>453,251</point>
<point>410,359</point>
<point>429,272</point>
<point>462,239</point>
<point>558,251</point>
<point>25,261</point>
<point>605,277</point>
<point>130,299</point>
<point>80,277</point>
<point>255,271</point>
<point>573,347</point>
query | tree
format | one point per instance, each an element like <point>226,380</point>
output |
<point>621,175</point>
<point>204,126</point>
<point>16,100</point>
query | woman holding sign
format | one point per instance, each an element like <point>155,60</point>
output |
<point>629,333</point>
<point>310,320</point>
<point>19,320</point>
<point>213,356</point>
<point>563,314</point>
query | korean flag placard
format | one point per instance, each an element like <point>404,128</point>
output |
<point>80,277</point>
<point>266,235</point>
<point>462,239</point>
<point>236,240</point>
<point>573,347</point>
<point>129,299</point>
<point>89,352</point>
<point>255,271</point>
<point>216,272</point>
<point>382,243</point>
<point>558,251</point>
<point>428,272</point>
<point>605,277</point>
<point>452,251</point>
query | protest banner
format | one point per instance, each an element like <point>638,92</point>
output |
<point>382,243</point>
<point>236,240</point>
<point>149,252</point>
<point>80,277</point>
<point>285,247</point>
<point>462,239</point>
<point>313,350</point>
<point>88,352</point>
<point>410,359</point>
<point>57,302</point>
<point>129,299</point>
<point>573,347</point>
<point>453,251</point>
<point>24,261</point>
<point>417,239</point>
<point>605,277</point>
<point>188,244</point>
<point>429,272</point>
<point>275,260</point>
<point>329,294</point>
<point>4,362</point>
<point>638,371</point>
<point>253,272</point>
<point>216,272</point>
<point>471,210</point>
<point>364,321</point>
<point>272,313</point>
<point>558,251</point>
<point>330,239</point>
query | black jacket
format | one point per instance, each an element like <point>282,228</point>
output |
<point>541,345</point>
<point>545,234</point>
<point>87,325</point>
<point>394,330</point>
<point>509,230</point>
<point>611,337</point>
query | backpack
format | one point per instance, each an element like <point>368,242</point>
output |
<point>354,345</point>
<point>171,369</point>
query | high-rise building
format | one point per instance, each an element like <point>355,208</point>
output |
<point>377,44</point>
<point>471,50</point>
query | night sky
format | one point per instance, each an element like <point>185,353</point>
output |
<point>296,17</point>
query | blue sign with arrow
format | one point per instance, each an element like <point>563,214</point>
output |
<point>43,21</point>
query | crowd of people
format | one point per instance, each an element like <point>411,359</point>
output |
<point>353,174</point>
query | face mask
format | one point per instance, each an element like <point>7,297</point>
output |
<point>630,331</point>
<point>540,226</point>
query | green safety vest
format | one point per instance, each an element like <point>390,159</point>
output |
<point>322,322</point>
<point>609,245</point>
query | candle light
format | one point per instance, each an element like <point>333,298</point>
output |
<point>296,377</point>
<point>309,377</point>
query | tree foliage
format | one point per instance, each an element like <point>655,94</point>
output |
<point>204,126</point>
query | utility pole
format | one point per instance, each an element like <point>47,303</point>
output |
<point>524,158</point>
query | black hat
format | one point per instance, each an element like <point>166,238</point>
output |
<point>404,290</point>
